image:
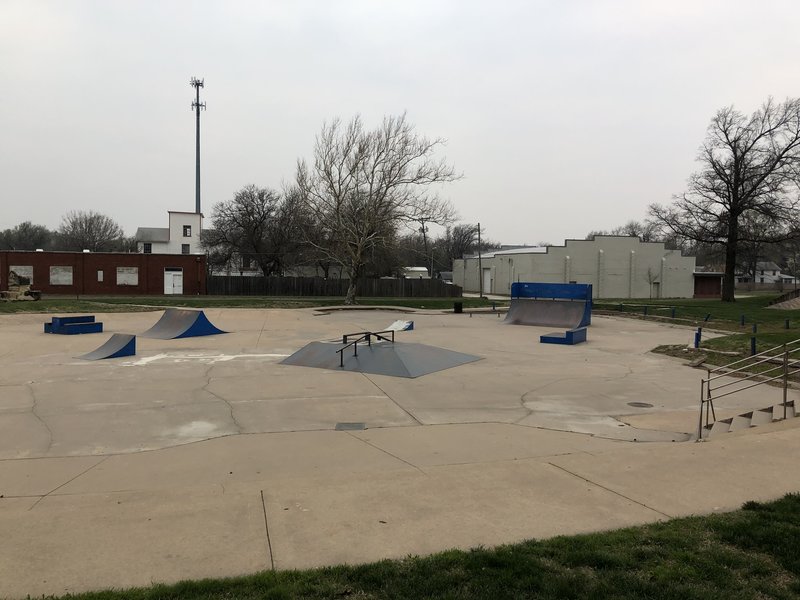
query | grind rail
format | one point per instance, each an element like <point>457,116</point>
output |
<point>363,336</point>
<point>741,379</point>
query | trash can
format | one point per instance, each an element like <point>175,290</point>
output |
<point>458,307</point>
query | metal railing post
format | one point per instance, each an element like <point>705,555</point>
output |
<point>700,422</point>
<point>785,377</point>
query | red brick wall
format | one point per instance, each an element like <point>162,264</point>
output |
<point>86,265</point>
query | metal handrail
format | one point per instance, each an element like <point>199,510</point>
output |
<point>363,335</point>
<point>707,390</point>
<point>736,362</point>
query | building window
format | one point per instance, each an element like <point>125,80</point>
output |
<point>99,276</point>
<point>762,280</point>
<point>184,248</point>
<point>60,275</point>
<point>147,248</point>
<point>187,232</point>
<point>127,275</point>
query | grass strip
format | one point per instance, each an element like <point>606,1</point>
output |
<point>746,554</point>
<point>88,304</point>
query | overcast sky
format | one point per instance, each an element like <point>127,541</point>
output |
<point>564,116</point>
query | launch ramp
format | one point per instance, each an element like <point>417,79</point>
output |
<point>119,344</point>
<point>181,323</point>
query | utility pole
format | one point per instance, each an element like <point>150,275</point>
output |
<point>480,263</point>
<point>197,106</point>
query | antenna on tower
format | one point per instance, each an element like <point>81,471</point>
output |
<point>197,106</point>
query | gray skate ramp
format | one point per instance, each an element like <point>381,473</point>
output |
<point>382,358</point>
<point>550,313</point>
<point>181,323</point>
<point>119,344</point>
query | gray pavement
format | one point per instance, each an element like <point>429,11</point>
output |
<point>205,457</point>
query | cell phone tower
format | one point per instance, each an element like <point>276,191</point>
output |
<point>197,106</point>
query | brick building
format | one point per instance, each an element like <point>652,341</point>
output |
<point>106,273</point>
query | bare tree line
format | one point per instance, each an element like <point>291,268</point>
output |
<point>79,230</point>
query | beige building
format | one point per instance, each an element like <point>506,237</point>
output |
<point>616,266</point>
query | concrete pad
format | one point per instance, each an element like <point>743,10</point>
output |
<point>37,477</point>
<point>24,436</point>
<point>299,414</point>
<point>464,444</point>
<point>696,478</point>
<point>237,459</point>
<point>77,543</point>
<point>464,506</point>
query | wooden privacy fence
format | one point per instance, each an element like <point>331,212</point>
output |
<point>224,285</point>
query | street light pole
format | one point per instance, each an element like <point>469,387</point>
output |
<point>480,264</point>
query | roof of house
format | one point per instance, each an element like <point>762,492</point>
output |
<point>152,234</point>
<point>767,266</point>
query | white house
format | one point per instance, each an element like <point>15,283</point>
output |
<point>181,237</point>
<point>766,272</point>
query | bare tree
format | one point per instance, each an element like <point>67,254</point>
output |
<point>258,224</point>
<point>89,230</point>
<point>749,166</point>
<point>363,184</point>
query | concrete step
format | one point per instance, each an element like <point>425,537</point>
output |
<point>764,416</point>
<point>719,427</point>
<point>740,422</point>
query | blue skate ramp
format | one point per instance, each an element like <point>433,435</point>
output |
<point>181,323</point>
<point>381,358</point>
<point>567,305</point>
<point>119,344</point>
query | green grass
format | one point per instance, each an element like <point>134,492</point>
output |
<point>721,315</point>
<point>138,303</point>
<point>747,554</point>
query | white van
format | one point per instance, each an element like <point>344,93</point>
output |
<point>415,273</point>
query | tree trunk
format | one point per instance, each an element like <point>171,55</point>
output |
<point>350,298</point>
<point>729,280</point>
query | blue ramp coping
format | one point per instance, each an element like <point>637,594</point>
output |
<point>118,345</point>
<point>73,325</point>
<point>181,323</point>
<point>568,338</point>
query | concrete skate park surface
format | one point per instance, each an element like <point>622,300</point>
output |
<point>204,457</point>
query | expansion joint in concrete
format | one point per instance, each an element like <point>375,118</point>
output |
<point>397,404</point>
<point>371,445</point>
<point>608,489</point>
<point>58,487</point>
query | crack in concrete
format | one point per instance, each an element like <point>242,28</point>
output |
<point>58,487</point>
<point>39,418</point>
<point>239,428</point>
<point>371,445</point>
<point>608,489</point>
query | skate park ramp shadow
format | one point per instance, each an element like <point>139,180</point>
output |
<point>119,344</point>
<point>181,323</point>
<point>567,305</point>
<point>398,359</point>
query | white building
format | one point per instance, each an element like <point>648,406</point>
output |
<point>616,266</point>
<point>181,237</point>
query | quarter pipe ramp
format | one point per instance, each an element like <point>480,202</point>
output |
<point>567,305</point>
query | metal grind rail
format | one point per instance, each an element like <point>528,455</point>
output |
<point>710,386</point>
<point>363,336</point>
